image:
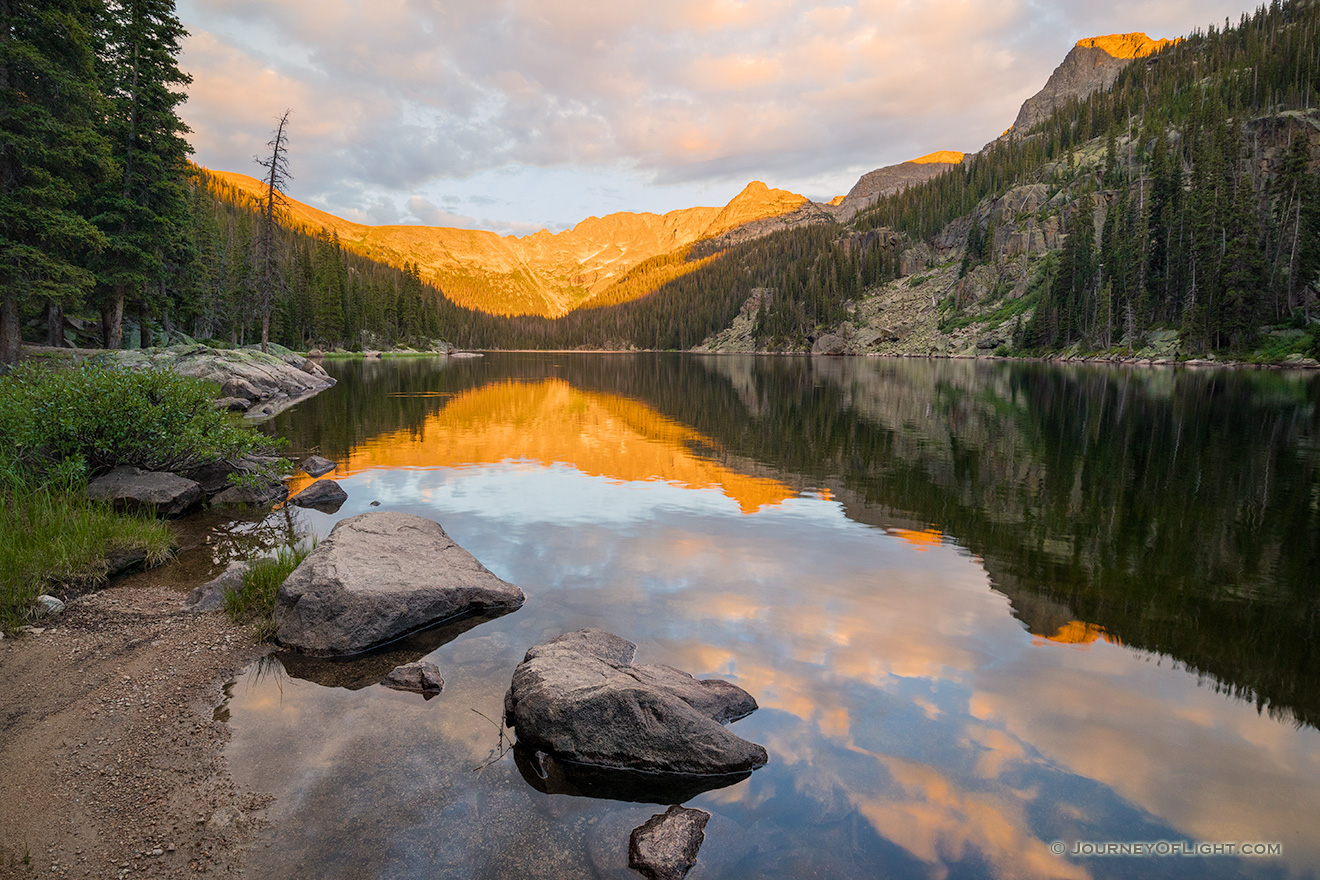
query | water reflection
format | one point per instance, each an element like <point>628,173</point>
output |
<point>1017,605</point>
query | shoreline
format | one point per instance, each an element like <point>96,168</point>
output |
<point>112,739</point>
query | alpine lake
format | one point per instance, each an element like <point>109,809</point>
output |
<point>1001,618</point>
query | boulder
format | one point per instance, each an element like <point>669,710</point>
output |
<point>133,489</point>
<point>829,344</point>
<point>579,698</point>
<point>233,404</point>
<point>419,677</point>
<point>212,593</point>
<point>264,492</point>
<point>214,476</point>
<point>378,577</point>
<point>316,466</point>
<point>324,495</point>
<point>665,846</point>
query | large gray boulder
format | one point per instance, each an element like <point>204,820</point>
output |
<point>252,376</point>
<point>378,577</point>
<point>135,490</point>
<point>580,698</point>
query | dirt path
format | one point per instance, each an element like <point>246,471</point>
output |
<point>111,761</point>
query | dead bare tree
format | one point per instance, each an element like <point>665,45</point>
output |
<point>269,273</point>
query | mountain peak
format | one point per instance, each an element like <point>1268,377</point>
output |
<point>756,202</point>
<point>940,157</point>
<point>1125,46</point>
<point>1091,66</point>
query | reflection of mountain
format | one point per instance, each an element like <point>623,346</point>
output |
<point>549,421</point>
<point>1177,512</point>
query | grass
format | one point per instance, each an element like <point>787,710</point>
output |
<point>254,601</point>
<point>52,538</point>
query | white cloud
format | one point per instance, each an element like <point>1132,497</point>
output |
<point>395,98</point>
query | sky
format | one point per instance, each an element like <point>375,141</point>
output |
<point>517,115</point>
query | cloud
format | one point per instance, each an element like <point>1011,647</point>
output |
<point>400,94</point>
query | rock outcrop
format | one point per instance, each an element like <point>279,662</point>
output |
<point>269,381</point>
<point>378,577</point>
<point>316,466</point>
<point>1091,66</point>
<point>579,698</point>
<point>665,846</point>
<point>133,489</point>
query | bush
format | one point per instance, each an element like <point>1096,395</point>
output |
<point>254,601</point>
<point>91,419</point>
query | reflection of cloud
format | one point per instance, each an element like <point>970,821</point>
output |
<point>938,822</point>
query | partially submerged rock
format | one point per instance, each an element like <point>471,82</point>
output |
<point>580,698</point>
<point>324,495</point>
<point>316,466</point>
<point>212,593</point>
<point>420,677</point>
<point>155,492</point>
<point>665,846</point>
<point>380,576</point>
<point>261,491</point>
<point>551,775</point>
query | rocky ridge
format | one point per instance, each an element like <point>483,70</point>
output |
<point>1092,65</point>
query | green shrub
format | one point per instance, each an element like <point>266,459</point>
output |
<point>254,601</point>
<point>93,419</point>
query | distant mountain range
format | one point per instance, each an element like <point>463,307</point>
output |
<point>552,274</point>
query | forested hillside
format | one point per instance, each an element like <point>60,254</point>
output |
<point>1181,205</point>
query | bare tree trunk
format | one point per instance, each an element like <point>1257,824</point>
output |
<point>10,339</point>
<point>112,320</point>
<point>54,324</point>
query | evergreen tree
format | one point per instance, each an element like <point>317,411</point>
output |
<point>146,199</point>
<point>50,155</point>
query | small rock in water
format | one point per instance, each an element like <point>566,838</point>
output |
<point>323,495</point>
<point>420,677</point>
<point>49,605</point>
<point>374,504</point>
<point>665,846</point>
<point>316,466</point>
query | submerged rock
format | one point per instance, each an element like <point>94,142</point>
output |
<point>665,846</point>
<point>316,466</point>
<point>419,677</point>
<point>155,492</point>
<point>380,576</point>
<point>551,775</point>
<point>580,698</point>
<point>324,495</point>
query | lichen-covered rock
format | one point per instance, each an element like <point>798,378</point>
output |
<point>154,492</point>
<point>580,698</point>
<point>380,576</point>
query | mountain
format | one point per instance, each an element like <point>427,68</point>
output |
<point>1092,66</point>
<point>545,273</point>
<point>891,179</point>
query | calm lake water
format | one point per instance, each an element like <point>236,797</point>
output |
<point>989,611</point>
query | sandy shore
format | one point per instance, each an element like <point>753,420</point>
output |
<point>111,747</point>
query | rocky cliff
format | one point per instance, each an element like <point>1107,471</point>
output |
<point>1092,65</point>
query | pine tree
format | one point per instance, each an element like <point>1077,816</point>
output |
<point>147,198</point>
<point>50,156</point>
